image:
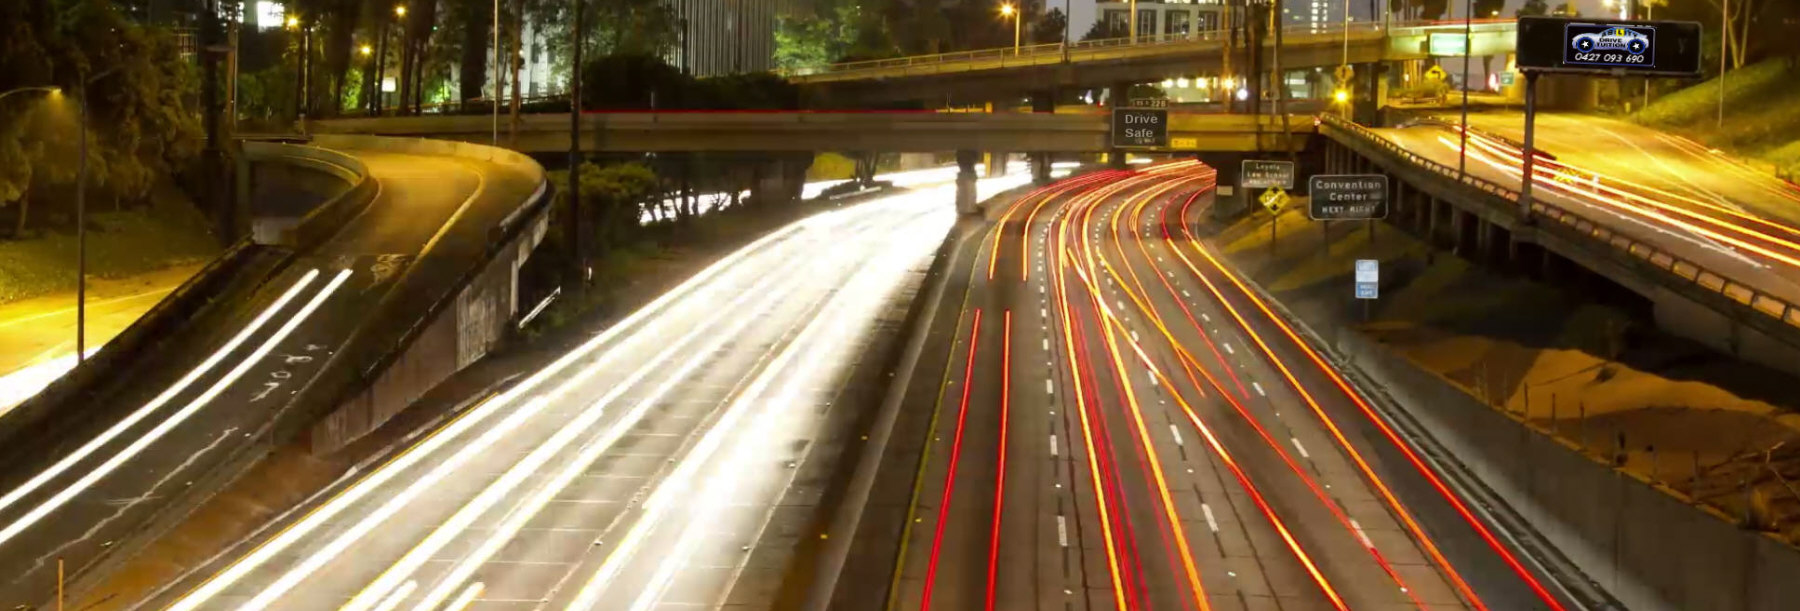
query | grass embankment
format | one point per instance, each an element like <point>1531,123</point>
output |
<point>1762,114</point>
<point>1599,376</point>
<point>119,244</point>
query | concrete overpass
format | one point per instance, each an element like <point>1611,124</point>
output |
<point>1103,63</point>
<point>896,131</point>
<point>1711,295</point>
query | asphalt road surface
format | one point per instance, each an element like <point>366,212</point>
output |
<point>1121,426</point>
<point>1728,222</point>
<point>180,416</point>
<point>638,471</point>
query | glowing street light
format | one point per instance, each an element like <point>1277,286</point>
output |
<point>400,10</point>
<point>293,22</point>
<point>367,50</point>
<point>1341,96</point>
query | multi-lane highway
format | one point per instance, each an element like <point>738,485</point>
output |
<point>165,423</point>
<point>637,471</point>
<point>1122,424</point>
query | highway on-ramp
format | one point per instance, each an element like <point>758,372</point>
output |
<point>177,418</point>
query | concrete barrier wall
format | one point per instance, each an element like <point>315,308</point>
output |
<point>324,220</point>
<point>1648,548</point>
<point>420,336</point>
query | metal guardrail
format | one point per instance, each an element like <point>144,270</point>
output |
<point>1689,271</point>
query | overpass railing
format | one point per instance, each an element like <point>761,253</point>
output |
<point>1710,281</point>
<point>1035,54</point>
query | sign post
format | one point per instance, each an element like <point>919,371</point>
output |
<point>1368,283</point>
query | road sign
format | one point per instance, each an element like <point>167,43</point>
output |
<point>1436,73</point>
<point>1149,102</point>
<point>1507,79</point>
<point>1259,174</point>
<point>1140,127</point>
<point>1612,47</point>
<point>1184,143</point>
<point>1344,73</point>
<point>1341,197</point>
<point>1274,199</point>
<point>1444,44</point>
<point>1368,278</point>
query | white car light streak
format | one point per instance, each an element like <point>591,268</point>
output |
<point>119,428</point>
<point>149,437</point>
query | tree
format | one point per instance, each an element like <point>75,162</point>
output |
<point>1738,18</point>
<point>142,125</point>
<point>1567,9</point>
<point>1050,28</point>
<point>1488,8</point>
<point>1433,9</point>
<point>1533,7</point>
<point>1102,29</point>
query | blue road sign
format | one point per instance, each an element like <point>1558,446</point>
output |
<point>1366,290</point>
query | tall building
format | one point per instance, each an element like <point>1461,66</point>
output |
<point>721,37</point>
<point>1174,18</point>
<point>1317,15</point>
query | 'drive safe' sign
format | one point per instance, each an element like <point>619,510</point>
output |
<point>1140,127</point>
<point>1337,197</point>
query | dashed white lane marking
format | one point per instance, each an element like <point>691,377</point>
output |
<point>1177,433</point>
<point>1228,349</point>
<point>1301,448</point>
<point>1206,318</point>
<point>1062,531</point>
<point>1254,385</point>
<point>1053,444</point>
<point>1134,337</point>
<point>1043,312</point>
<point>1184,293</point>
<point>1048,388</point>
<point>1211,524</point>
<point>1046,343</point>
<point>1361,535</point>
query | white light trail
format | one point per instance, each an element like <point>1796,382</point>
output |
<point>149,437</point>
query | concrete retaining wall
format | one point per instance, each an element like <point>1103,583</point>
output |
<point>1649,549</point>
<point>324,220</point>
<point>419,337</point>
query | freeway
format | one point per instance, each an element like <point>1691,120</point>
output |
<point>639,470</point>
<point>1122,424</point>
<point>1730,223</point>
<point>160,426</point>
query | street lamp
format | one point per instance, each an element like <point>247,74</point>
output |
<point>50,89</point>
<point>1009,11</point>
<point>400,10</point>
<point>302,94</point>
<point>81,220</point>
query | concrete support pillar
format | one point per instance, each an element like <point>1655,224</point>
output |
<point>1433,220</point>
<point>1468,233</point>
<point>996,164</point>
<point>1040,167</point>
<point>1498,244</point>
<point>965,182</point>
<point>865,169</point>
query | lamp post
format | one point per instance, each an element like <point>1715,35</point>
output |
<point>301,94</point>
<point>81,219</point>
<point>1009,11</point>
<point>50,89</point>
<point>497,73</point>
<point>1462,151</point>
